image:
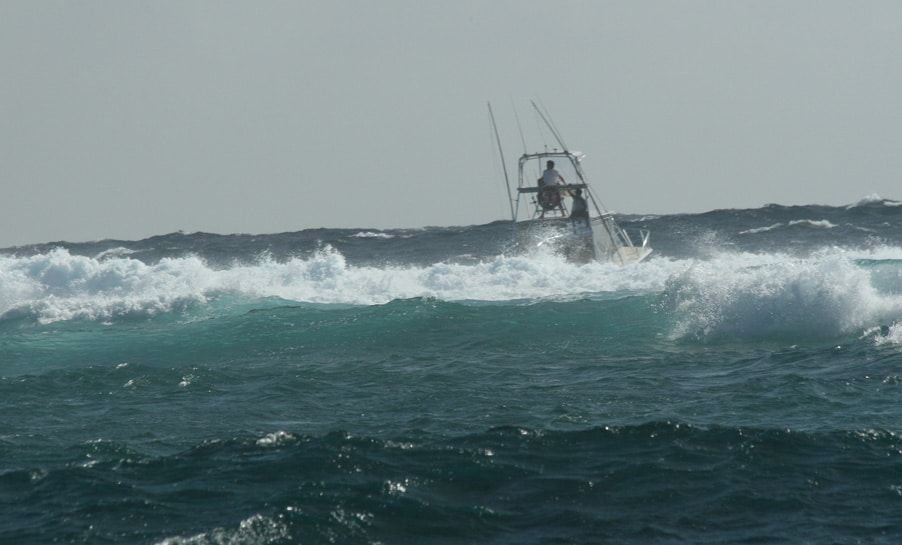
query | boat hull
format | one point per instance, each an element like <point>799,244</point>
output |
<point>580,242</point>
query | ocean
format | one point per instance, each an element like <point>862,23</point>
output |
<point>435,386</point>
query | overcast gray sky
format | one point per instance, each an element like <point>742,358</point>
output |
<point>127,119</point>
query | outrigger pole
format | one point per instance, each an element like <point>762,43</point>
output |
<point>510,200</point>
<point>550,126</point>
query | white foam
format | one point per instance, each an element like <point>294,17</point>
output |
<point>824,224</point>
<point>372,234</point>
<point>255,529</point>
<point>719,294</point>
<point>761,229</point>
<point>874,198</point>
<point>764,295</point>
<point>813,223</point>
<point>891,335</point>
<point>60,286</point>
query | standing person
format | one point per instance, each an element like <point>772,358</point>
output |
<point>579,210</point>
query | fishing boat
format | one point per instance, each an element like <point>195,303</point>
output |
<point>560,210</point>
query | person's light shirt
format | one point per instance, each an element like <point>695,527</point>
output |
<point>551,177</point>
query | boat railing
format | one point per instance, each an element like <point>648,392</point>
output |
<point>633,237</point>
<point>536,188</point>
<point>641,234</point>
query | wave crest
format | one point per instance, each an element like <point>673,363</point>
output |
<point>58,285</point>
<point>774,296</point>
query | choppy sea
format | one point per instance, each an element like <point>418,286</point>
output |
<point>432,386</point>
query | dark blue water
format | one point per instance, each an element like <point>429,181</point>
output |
<point>743,385</point>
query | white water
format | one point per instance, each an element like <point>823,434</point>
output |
<point>752,295</point>
<point>725,294</point>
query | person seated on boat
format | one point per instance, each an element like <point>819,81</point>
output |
<point>549,196</point>
<point>579,210</point>
<point>551,177</point>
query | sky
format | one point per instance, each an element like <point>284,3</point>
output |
<point>129,119</point>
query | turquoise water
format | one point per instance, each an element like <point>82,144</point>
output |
<point>428,386</point>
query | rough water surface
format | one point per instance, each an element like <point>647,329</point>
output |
<point>743,385</point>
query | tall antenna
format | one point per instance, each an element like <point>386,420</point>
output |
<point>503,163</point>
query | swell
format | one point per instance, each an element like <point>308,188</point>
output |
<point>161,388</point>
<point>227,332</point>
<point>653,482</point>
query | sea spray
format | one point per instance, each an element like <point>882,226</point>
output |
<point>61,286</point>
<point>760,296</point>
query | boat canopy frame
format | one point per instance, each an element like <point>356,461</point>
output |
<point>609,237</point>
<point>595,234</point>
<point>526,187</point>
